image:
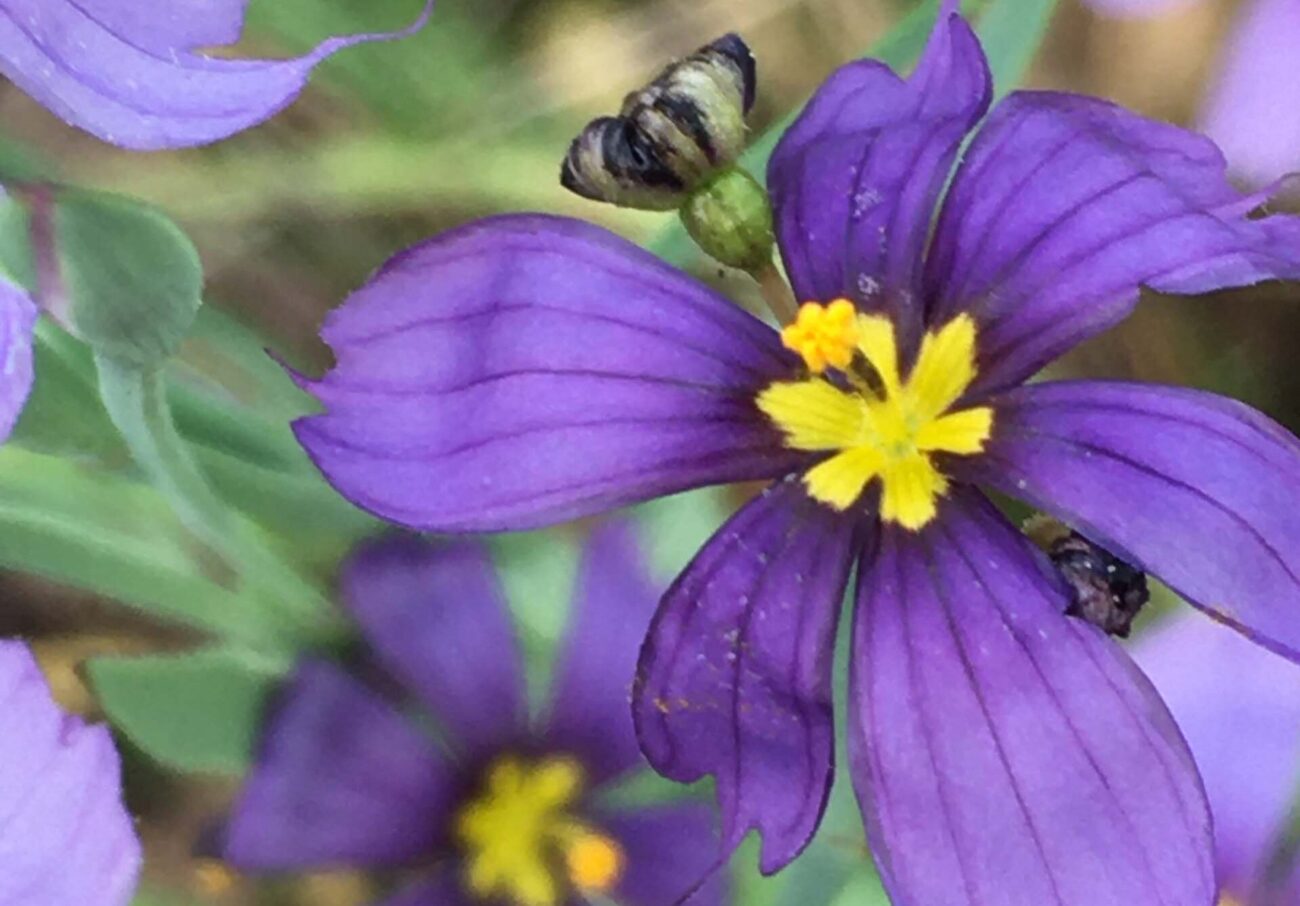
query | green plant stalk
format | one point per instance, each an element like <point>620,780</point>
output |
<point>292,608</point>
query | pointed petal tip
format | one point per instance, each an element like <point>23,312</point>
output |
<point>141,81</point>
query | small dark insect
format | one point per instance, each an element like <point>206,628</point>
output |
<point>669,135</point>
<point>1106,591</point>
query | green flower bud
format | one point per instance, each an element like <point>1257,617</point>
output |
<point>730,218</point>
<point>671,136</point>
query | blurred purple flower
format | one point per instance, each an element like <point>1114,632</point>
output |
<point>505,813</point>
<point>1239,708</point>
<point>131,72</point>
<point>528,369</point>
<point>1251,110</point>
<point>66,838</point>
<point>17,321</point>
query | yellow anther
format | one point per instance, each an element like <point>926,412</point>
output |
<point>516,835</point>
<point>213,878</point>
<point>890,438</point>
<point>824,335</point>
<point>594,862</point>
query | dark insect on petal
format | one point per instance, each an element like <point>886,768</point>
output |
<point>1107,592</point>
<point>670,135</point>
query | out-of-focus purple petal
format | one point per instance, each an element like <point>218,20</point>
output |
<point>734,679</point>
<point>17,320</point>
<point>1252,111</point>
<point>443,890</point>
<point>1125,9</point>
<point>66,838</point>
<point>855,179</point>
<point>1199,490</point>
<point>131,72</point>
<point>342,780</point>
<point>527,369</point>
<point>1065,206</point>
<point>438,619</point>
<point>668,848</point>
<point>592,694</point>
<point>1004,753</point>
<point>1239,708</point>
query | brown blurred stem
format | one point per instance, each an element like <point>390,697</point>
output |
<point>776,292</point>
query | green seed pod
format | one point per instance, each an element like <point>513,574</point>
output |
<point>730,219</point>
<point>671,136</point>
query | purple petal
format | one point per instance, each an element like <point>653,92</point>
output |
<point>343,780</point>
<point>855,180</point>
<point>524,370</point>
<point>17,321</point>
<point>1199,490</point>
<point>593,682</point>
<point>65,834</point>
<point>438,619</point>
<point>1064,206</point>
<point>1251,111</point>
<point>1004,753</point>
<point>668,848</point>
<point>1240,710</point>
<point>130,71</point>
<point>734,679</point>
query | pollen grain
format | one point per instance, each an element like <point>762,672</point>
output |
<point>823,335</point>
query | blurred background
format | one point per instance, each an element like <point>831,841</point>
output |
<point>393,142</point>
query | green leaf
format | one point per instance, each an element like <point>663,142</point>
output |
<point>63,414</point>
<point>292,608</point>
<point>132,280</point>
<point>153,897</point>
<point>1011,32</point>
<point>863,889</point>
<point>194,712</point>
<point>102,533</point>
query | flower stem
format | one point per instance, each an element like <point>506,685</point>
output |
<point>291,607</point>
<point>776,292</point>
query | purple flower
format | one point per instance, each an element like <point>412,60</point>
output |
<point>66,839</point>
<point>131,72</point>
<point>1239,708</point>
<point>524,370</point>
<point>17,321</point>
<point>1250,111</point>
<point>501,813</point>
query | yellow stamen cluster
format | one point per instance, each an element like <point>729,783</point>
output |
<point>521,843</point>
<point>891,436</point>
<point>825,336</point>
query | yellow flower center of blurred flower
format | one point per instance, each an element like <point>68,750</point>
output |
<point>884,427</point>
<point>523,845</point>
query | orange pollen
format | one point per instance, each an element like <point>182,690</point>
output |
<point>824,335</point>
<point>594,862</point>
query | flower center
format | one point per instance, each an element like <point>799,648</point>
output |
<point>883,427</point>
<point>523,845</point>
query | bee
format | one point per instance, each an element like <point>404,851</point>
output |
<point>1105,590</point>
<point>671,135</point>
